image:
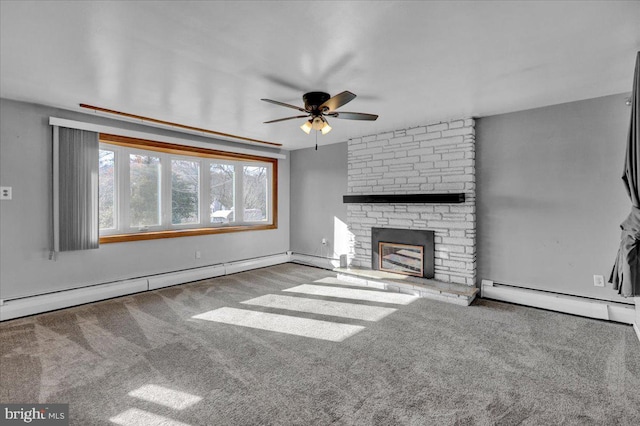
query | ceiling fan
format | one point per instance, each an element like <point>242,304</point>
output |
<point>318,106</point>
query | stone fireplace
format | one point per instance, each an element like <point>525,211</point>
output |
<point>437,158</point>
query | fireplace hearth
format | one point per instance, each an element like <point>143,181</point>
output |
<point>403,251</point>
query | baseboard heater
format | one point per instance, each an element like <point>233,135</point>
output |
<point>16,308</point>
<point>317,261</point>
<point>576,305</point>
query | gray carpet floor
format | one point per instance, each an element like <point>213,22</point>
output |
<point>196,354</point>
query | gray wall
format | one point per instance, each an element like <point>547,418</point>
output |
<point>318,182</point>
<point>25,165</point>
<point>549,203</point>
<point>550,195</point>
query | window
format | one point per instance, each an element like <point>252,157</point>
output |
<point>255,193</point>
<point>144,190</point>
<point>106,188</point>
<point>222,184</point>
<point>185,192</point>
<point>152,190</point>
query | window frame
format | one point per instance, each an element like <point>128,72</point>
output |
<point>116,190</point>
<point>123,146</point>
<point>168,198</point>
<point>124,213</point>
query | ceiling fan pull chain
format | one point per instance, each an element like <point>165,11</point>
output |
<point>316,140</point>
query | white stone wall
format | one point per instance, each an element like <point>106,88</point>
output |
<point>435,158</point>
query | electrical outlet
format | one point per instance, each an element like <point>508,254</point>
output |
<point>598,280</point>
<point>5,193</point>
<point>198,254</point>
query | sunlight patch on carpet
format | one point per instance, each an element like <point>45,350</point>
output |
<point>365,284</point>
<point>322,307</point>
<point>164,396</point>
<point>355,294</point>
<point>305,327</point>
<point>136,417</point>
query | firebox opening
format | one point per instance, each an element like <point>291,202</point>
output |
<point>405,253</point>
<point>401,258</point>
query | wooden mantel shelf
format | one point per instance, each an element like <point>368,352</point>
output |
<point>452,198</point>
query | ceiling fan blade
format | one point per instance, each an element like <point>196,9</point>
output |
<point>354,116</point>
<point>337,101</point>
<point>284,105</point>
<point>285,119</point>
<point>284,83</point>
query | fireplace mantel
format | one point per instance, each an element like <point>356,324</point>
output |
<point>449,198</point>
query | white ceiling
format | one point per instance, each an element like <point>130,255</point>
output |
<point>207,64</point>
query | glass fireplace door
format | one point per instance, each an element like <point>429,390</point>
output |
<point>401,258</point>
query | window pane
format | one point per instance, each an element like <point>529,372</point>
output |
<point>222,183</point>
<point>255,193</point>
<point>144,176</point>
<point>106,189</point>
<point>185,189</point>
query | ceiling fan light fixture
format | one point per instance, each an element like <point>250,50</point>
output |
<point>306,127</point>
<point>326,128</point>
<point>317,123</point>
<point>317,106</point>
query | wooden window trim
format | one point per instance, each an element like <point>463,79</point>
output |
<point>193,232</point>
<point>176,149</point>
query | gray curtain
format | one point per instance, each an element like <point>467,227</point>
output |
<point>75,189</point>
<point>626,271</point>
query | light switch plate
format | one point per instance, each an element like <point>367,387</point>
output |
<point>5,192</point>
